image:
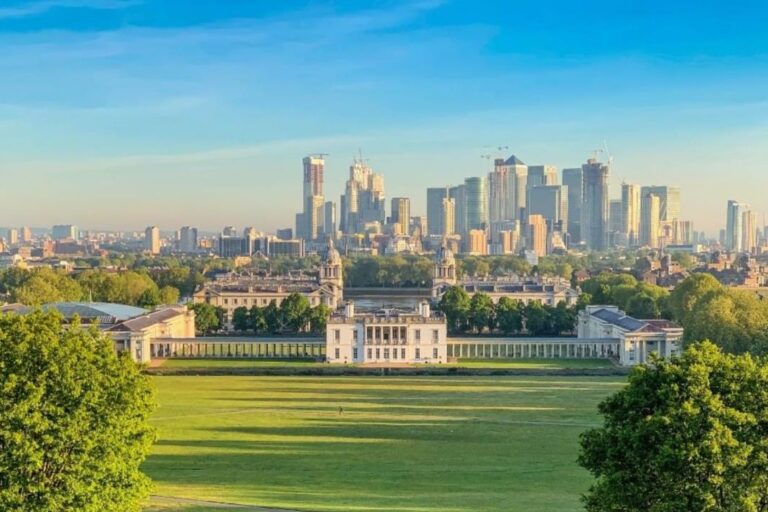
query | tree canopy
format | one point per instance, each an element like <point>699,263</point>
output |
<point>73,419</point>
<point>687,433</point>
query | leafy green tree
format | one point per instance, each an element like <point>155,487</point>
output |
<point>272,318</point>
<point>686,434</point>
<point>241,319</point>
<point>40,286</point>
<point>481,312</point>
<point>642,305</point>
<point>256,320</point>
<point>455,304</point>
<point>208,318</point>
<point>74,419</point>
<point>509,315</point>
<point>563,319</point>
<point>294,312</point>
<point>686,294</point>
<point>538,320</point>
<point>318,318</point>
<point>149,298</point>
<point>169,295</point>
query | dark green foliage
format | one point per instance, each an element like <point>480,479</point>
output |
<point>208,318</point>
<point>455,304</point>
<point>74,420</point>
<point>686,434</point>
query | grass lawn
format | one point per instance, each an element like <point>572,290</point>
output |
<point>545,364</point>
<point>413,444</point>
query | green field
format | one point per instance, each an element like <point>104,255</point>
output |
<point>413,444</point>
<point>539,364</point>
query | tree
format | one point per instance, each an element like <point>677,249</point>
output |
<point>684,297</point>
<point>294,312</point>
<point>169,295</point>
<point>207,317</point>
<point>318,318</point>
<point>686,434</point>
<point>455,306</point>
<point>643,305</point>
<point>272,318</point>
<point>538,320</point>
<point>563,318</point>
<point>509,315</point>
<point>257,320</point>
<point>149,298</point>
<point>74,419</point>
<point>481,312</point>
<point>241,319</point>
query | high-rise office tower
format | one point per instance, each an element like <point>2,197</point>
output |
<point>314,169</point>
<point>476,201</point>
<point>448,217</point>
<point>669,201</point>
<point>401,214</point>
<point>749,231</point>
<point>363,201</point>
<point>734,230</point>
<point>435,208</point>
<point>229,231</point>
<point>26,234</point>
<point>13,236</point>
<point>551,202</point>
<point>594,215</point>
<point>65,232</point>
<point>152,240</point>
<point>477,242</point>
<point>650,221</point>
<point>458,194</point>
<point>574,180</point>
<point>188,239</point>
<point>616,236</point>
<point>536,237</point>
<point>329,220</point>
<point>539,175</point>
<point>630,213</point>
<point>507,189</point>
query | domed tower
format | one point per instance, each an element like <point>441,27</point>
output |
<point>331,273</point>
<point>445,270</point>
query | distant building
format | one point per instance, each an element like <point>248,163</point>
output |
<point>476,203</point>
<point>574,180</point>
<point>401,215</point>
<point>152,240</point>
<point>551,202</point>
<point>188,239</point>
<point>650,220</point>
<point>65,232</point>
<point>594,215</point>
<point>387,336</point>
<point>636,339</point>
<point>536,236</point>
<point>435,210</point>
<point>13,236</point>
<point>734,228</point>
<point>477,242</point>
<point>630,213</point>
<point>26,234</point>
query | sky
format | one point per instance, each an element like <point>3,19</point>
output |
<point>118,114</point>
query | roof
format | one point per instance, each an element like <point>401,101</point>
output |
<point>628,323</point>
<point>513,160</point>
<point>147,320</point>
<point>92,310</point>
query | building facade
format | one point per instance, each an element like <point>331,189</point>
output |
<point>594,215</point>
<point>387,336</point>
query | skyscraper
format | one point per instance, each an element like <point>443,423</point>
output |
<point>630,213</point>
<point>13,236</point>
<point>188,239</point>
<point>448,217</point>
<point>749,231</point>
<point>574,180</point>
<point>551,202</point>
<point>507,189</point>
<point>26,234</point>
<point>65,232</point>
<point>669,201</point>
<point>616,236</point>
<point>152,240</point>
<point>458,194</point>
<point>536,237</point>
<point>401,214</point>
<point>594,224</point>
<point>650,221</point>
<point>329,220</point>
<point>734,230</point>
<point>363,201</point>
<point>435,208</point>
<point>314,169</point>
<point>476,201</point>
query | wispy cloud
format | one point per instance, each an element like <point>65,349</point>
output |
<point>43,6</point>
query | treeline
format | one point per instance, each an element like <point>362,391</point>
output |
<point>44,285</point>
<point>479,314</point>
<point>294,315</point>
<point>638,299</point>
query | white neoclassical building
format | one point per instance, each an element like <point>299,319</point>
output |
<point>386,336</point>
<point>637,339</point>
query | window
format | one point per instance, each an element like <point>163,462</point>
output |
<point>378,353</point>
<point>370,353</point>
<point>226,301</point>
<point>417,335</point>
<point>403,335</point>
<point>434,353</point>
<point>234,301</point>
<point>354,353</point>
<point>418,353</point>
<point>435,336</point>
<point>354,335</point>
<point>394,353</point>
<point>402,353</point>
<point>337,353</point>
<point>386,353</point>
<point>337,335</point>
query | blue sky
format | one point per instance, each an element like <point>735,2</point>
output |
<point>117,114</point>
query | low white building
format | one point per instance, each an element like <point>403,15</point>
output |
<point>637,339</point>
<point>387,336</point>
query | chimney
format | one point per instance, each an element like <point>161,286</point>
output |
<point>424,309</point>
<point>349,309</point>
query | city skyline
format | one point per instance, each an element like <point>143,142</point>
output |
<point>201,115</point>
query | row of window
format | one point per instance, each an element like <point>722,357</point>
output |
<point>263,301</point>
<point>387,353</point>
